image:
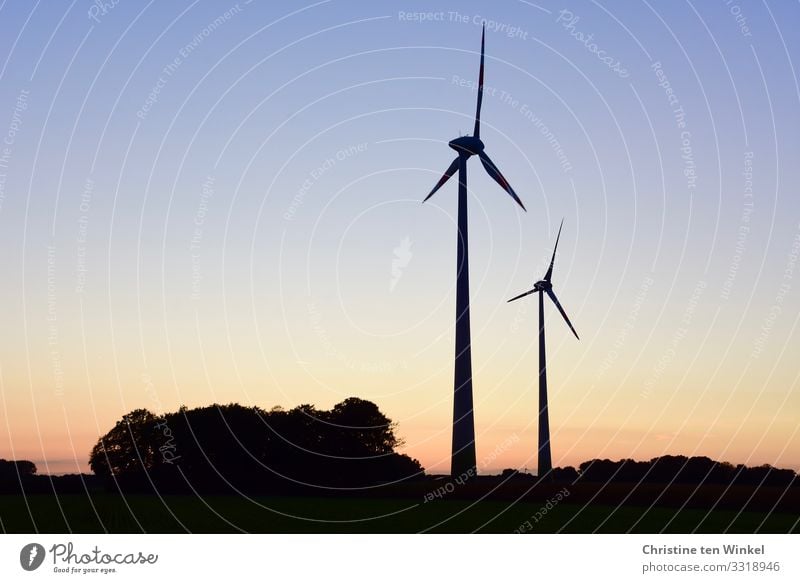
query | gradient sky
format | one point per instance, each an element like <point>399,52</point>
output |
<point>216,202</point>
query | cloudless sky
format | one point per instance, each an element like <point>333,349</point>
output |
<point>220,202</point>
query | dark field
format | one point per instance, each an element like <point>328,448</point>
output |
<point>587,509</point>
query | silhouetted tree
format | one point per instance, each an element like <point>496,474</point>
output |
<point>598,470</point>
<point>360,425</point>
<point>231,447</point>
<point>567,474</point>
<point>128,447</point>
<point>16,469</point>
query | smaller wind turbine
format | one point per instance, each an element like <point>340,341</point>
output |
<point>545,287</point>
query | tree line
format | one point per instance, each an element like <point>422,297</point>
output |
<point>676,469</point>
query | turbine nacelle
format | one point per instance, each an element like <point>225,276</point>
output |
<point>467,145</point>
<point>542,286</point>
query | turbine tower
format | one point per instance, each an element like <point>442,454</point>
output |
<point>463,452</point>
<point>545,287</point>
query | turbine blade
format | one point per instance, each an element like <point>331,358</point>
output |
<point>527,293</point>
<point>552,261</point>
<point>477,132</point>
<point>445,177</point>
<point>563,313</point>
<point>492,170</point>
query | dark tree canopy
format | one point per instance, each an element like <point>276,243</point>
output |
<point>16,469</point>
<point>684,470</point>
<point>224,448</point>
<point>120,454</point>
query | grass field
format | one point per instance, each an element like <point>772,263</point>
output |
<point>224,514</point>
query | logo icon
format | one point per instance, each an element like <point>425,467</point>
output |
<point>31,556</point>
<point>402,257</point>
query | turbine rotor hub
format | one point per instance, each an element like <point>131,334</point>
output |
<point>542,285</point>
<point>469,145</point>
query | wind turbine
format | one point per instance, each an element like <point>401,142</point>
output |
<point>463,452</point>
<point>545,287</point>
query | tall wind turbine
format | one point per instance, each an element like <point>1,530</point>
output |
<point>463,452</point>
<point>545,287</point>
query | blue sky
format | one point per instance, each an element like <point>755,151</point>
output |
<point>220,202</point>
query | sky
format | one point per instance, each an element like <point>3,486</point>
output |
<point>220,202</point>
